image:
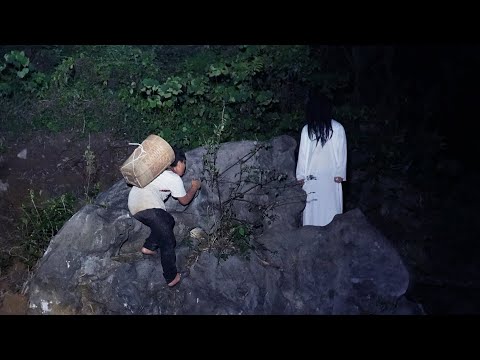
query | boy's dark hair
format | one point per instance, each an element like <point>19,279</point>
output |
<point>179,156</point>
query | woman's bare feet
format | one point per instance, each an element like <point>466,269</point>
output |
<point>148,252</point>
<point>175,281</point>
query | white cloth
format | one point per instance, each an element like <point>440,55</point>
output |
<point>153,195</point>
<point>318,166</point>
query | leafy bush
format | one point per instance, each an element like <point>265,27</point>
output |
<point>17,74</point>
<point>41,221</point>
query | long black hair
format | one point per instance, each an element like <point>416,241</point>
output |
<point>319,116</point>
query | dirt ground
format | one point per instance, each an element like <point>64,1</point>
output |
<point>55,164</point>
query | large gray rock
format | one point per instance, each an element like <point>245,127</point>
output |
<point>93,265</point>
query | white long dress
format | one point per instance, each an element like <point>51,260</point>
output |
<point>318,166</point>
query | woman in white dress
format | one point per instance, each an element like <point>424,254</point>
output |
<point>322,162</point>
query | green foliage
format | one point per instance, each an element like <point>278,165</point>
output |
<point>37,83</point>
<point>40,221</point>
<point>249,80</point>
<point>133,90</point>
<point>17,74</point>
<point>19,63</point>
<point>200,62</point>
<point>47,121</point>
<point>64,73</point>
<point>121,64</point>
<point>160,95</point>
<point>5,89</point>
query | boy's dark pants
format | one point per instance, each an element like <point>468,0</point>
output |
<point>161,223</point>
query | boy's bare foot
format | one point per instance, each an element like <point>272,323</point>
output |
<point>148,252</point>
<point>175,281</point>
